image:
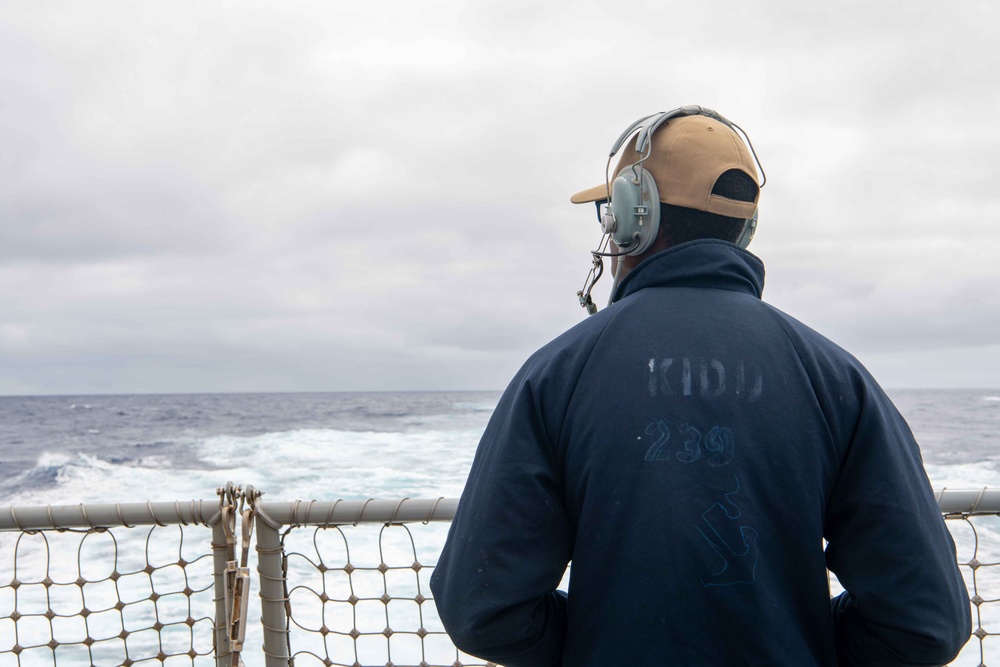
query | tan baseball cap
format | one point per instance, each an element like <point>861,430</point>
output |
<point>688,155</point>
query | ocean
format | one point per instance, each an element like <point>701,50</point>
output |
<point>71,449</point>
<point>325,446</point>
<point>75,449</point>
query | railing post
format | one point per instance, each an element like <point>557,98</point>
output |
<point>219,558</point>
<point>272,593</point>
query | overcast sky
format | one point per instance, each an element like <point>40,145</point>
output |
<point>296,196</point>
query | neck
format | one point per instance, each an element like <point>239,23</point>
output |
<point>621,266</point>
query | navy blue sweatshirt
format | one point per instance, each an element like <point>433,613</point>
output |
<point>689,448</point>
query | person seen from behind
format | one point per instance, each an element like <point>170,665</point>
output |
<point>701,457</point>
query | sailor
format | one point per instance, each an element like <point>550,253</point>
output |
<point>700,457</point>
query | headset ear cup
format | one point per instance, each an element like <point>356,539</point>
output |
<point>636,209</point>
<point>749,229</point>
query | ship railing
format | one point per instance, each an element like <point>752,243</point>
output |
<point>335,583</point>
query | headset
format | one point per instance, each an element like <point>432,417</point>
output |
<point>631,216</point>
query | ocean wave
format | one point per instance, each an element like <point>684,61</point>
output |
<point>964,475</point>
<point>324,464</point>
<point>486,406</point>
<point>327,464</point>
<point>61,478</point>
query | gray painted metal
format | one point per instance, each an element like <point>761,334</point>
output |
<point>984,500</point>
<point>343,512</point>
<point>219,558</point>
<point>41,517</point>
<point>327,513</point>
<point>272,596</point>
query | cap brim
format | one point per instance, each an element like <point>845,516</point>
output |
<point>596,193</point>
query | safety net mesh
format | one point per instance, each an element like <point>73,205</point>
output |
<point>98,596</point>
<point>347,585</point>
<point>359,595</point>
<point>977,541</point>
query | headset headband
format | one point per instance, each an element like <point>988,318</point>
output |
<point>646,131</point>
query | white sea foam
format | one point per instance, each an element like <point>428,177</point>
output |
<point>85,478</point>
<point>964,475</point>
<point>53,459</point>
<point>321,464</point>
<point>327,464</point>
<point>481,406</point>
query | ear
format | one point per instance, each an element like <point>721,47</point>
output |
<point>633,217</point>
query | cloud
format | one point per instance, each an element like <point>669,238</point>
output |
<point>328,196</point>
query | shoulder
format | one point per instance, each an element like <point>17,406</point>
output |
<point>570,350</point>
<point>812,345</point>
<point>546,383</point>
<point>844,388</point>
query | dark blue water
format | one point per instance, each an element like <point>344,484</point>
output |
<point>41,438</point>
<point>37,434</point>
<point>954,426</point>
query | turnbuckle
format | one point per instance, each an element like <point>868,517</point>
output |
<point>237,573</point>
<point>237,604</point>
